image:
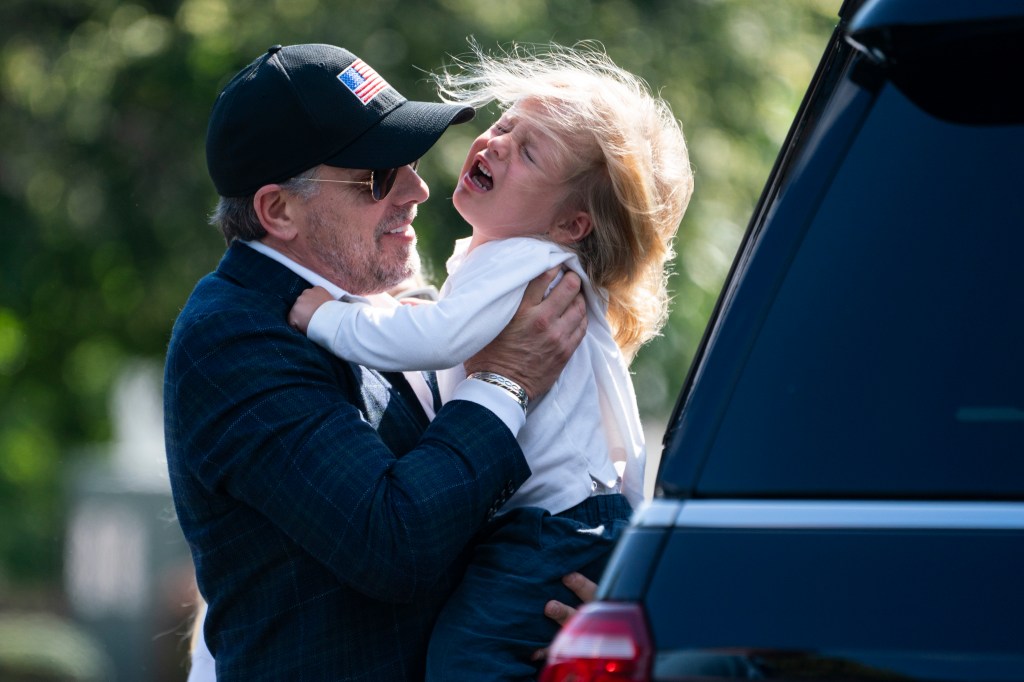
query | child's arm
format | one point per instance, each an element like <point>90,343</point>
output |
<point>421,337</point>
<point>479,301</point>
<point>435,336</point>
<point>307,303</point>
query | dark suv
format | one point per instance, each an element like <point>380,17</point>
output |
<point>841,491</point>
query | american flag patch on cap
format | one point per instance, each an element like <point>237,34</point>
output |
<point>362,80</point>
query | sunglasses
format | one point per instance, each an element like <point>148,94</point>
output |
<point>380,183</point>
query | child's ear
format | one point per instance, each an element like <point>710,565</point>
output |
<point>573,229</point>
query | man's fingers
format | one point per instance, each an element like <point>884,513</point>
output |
<point>536,289</point>
<point>565,294</point>
<point>558,612</point>
<point>582,587</point>
<point>577,317</point>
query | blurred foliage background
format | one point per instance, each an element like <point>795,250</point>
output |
<point>104,193</point>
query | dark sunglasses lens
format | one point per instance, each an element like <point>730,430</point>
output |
<point>384,180</point>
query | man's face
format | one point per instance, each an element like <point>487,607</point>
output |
<point>362,245</point>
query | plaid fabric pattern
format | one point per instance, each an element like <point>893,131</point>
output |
<point>323,514</point>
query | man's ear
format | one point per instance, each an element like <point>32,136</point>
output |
<point>572,229</point>
<point>275,209</point>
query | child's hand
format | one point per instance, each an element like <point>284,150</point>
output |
<point>307,303</point>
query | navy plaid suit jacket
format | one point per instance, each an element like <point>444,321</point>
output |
<point>325,517</point>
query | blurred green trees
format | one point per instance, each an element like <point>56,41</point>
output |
<point>104,192</point>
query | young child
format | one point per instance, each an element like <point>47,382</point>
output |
<point>584,169</point>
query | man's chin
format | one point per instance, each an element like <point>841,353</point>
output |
<point>392,281</point>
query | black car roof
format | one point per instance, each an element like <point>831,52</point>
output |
<point>876,14</point>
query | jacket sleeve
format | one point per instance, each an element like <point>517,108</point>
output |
<point>261,415</point>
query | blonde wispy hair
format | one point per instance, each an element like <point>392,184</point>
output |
<point>627,161</point>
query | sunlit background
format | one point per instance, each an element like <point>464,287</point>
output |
<point>103,201</point>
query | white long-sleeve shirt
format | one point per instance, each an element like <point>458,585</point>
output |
<point>583,436</point>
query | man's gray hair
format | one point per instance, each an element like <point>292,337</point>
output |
<point>236,218</point>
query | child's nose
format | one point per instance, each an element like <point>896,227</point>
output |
<point>498,144</point>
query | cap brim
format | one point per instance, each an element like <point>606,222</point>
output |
<point>401,137</point>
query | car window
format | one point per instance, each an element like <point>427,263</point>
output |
<point>892,359</point>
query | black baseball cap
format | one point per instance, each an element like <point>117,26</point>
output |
<point>299,106</point>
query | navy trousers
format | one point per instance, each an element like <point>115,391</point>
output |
<point>494,622</point>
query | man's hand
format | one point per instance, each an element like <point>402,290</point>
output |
<point>584,588</point>
<point>307,303</point>
<point>540,338</point>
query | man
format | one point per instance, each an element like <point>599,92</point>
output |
<point>325,513</point>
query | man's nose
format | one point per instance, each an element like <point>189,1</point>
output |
<point>409,186</point>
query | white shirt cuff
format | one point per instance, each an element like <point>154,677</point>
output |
<point>324,323</point>
<point>495,399</point>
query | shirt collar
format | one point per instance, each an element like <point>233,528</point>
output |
<point>302,271</point>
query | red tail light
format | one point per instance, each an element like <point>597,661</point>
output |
<point>604,642</point>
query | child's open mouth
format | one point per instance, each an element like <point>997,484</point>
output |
<point>481,177</point>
